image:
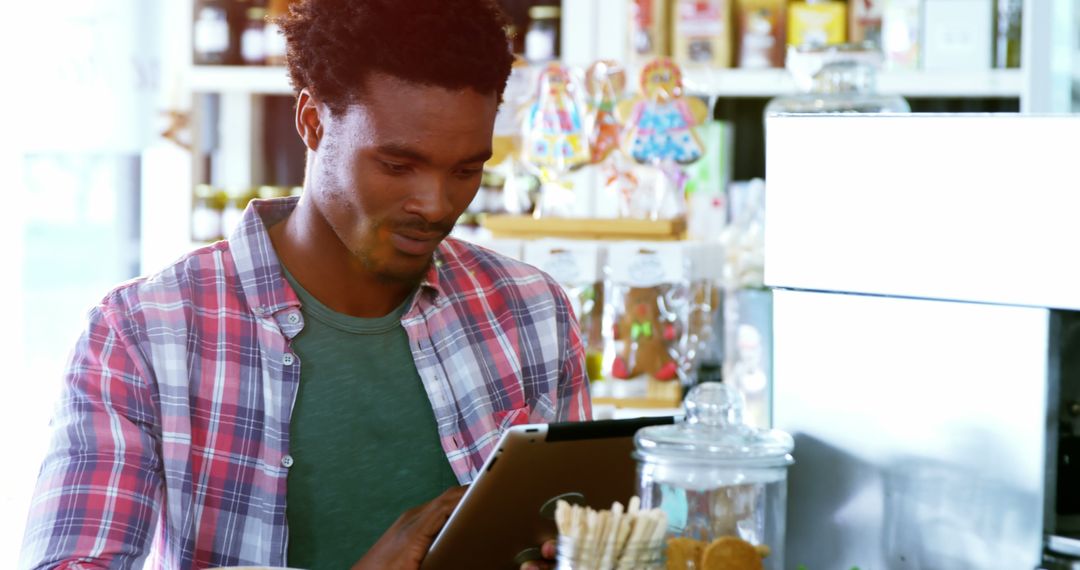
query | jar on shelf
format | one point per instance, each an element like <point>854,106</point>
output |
<point>721,483</point>
<point>269,192</point>
<point>838,78</point>
<point>542,34</point>
<point>210,39</point>
<point>236,200</point>
<point>253,37</point>
<point>1008,21</point>
<point>206,213</point>
<point>274,40</point>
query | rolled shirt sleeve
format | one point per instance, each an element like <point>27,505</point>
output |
<point>98,492</point>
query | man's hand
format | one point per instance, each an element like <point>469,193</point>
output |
<point>547,550</point>
<point>406,542</point>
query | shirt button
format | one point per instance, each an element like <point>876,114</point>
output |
<point>293,318</point>
<point>286,461</point>
<point>288,359</point>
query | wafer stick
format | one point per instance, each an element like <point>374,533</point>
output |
<point>629,558</point>
<point>562,517</point>
<point>626,526</point>
<point>660,530</point>
<point>596,549</point>
<point>608,556</point>
<point>585,546</point>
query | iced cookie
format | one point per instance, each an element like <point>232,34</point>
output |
<point>731,553</point>
<point>684,553</point>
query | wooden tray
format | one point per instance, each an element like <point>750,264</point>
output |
<point>526,227</point>
<point>646,403</point>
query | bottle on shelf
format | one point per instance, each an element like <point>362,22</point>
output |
<point>542,35</point>
<point>701,33</point>
<point>1008,17</point>
<point>236,200</point>
<point>274,40</point>
<point>253,36</point>
<point>901,34</point>
<point>817,23</point>
<point>761,33</point>
<point>211,41</point>
<point>649,30</point>
<point>206,213</point>
<point>864,21</point>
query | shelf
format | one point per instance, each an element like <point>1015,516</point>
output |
<point>255,80</point>
<point>1007,83</point>
<point>525,227</point>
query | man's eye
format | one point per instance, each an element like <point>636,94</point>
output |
<point>470,172</point>
<point>395,167</point>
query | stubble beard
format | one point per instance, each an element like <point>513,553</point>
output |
<point>382,270</point>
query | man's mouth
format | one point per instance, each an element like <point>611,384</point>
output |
<point>416,242</point>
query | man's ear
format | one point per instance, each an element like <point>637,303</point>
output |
<point>308,123</point>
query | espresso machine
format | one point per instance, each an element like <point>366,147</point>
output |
<point>926,319</point>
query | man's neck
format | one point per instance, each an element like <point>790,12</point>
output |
<point>316,258</point>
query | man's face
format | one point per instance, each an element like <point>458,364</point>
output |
<point>393,172</point>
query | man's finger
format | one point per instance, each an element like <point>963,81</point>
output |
<point>435,513</point>
<point>548,549</point>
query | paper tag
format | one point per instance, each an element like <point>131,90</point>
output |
<point>646,264</point>
<point>569,263</point>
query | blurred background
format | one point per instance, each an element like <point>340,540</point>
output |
<point>137,129</point>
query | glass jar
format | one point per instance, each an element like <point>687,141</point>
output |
<point>1008,21</point>
<point>721,483</point>
<point>838,78</point>
<point>206,210</point>
<point>270,192</point>
<point>571,555</point>
<point>236,201</point>
<point>542,35</point>
<point>210,33</point>
<point>274,40</point>
<point>253,37</point>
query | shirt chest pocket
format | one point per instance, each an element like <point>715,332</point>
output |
<point>505,419</point>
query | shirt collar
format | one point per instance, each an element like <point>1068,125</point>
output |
<point>259,270</point>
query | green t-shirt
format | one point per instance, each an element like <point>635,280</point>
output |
<point>363,438</point>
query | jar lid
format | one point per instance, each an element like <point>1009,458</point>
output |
<point>544,12</point>
<point>714,432</point>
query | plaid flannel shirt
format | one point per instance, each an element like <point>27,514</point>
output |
<point>172,434</point>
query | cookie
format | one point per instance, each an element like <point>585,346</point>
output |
<point>684,553</point>
<point>731,553</point>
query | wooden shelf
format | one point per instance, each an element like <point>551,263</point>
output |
<point>525,227</point>
<point>1008,83</point>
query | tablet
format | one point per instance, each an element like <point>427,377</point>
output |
<point>509,508</point>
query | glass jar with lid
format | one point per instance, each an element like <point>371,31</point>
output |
<point>721,483</point>
<point>253,37</point>
<point>236,201</point>
<point>839,78</point>
<point>542,35</point>
<point>210,40</point>
<point>206,211</point>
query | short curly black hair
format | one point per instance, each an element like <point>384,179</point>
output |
<point>334,44</point>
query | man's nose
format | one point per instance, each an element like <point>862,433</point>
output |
<point>430,199</point>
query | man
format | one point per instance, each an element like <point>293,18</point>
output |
<point>283,396</point>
